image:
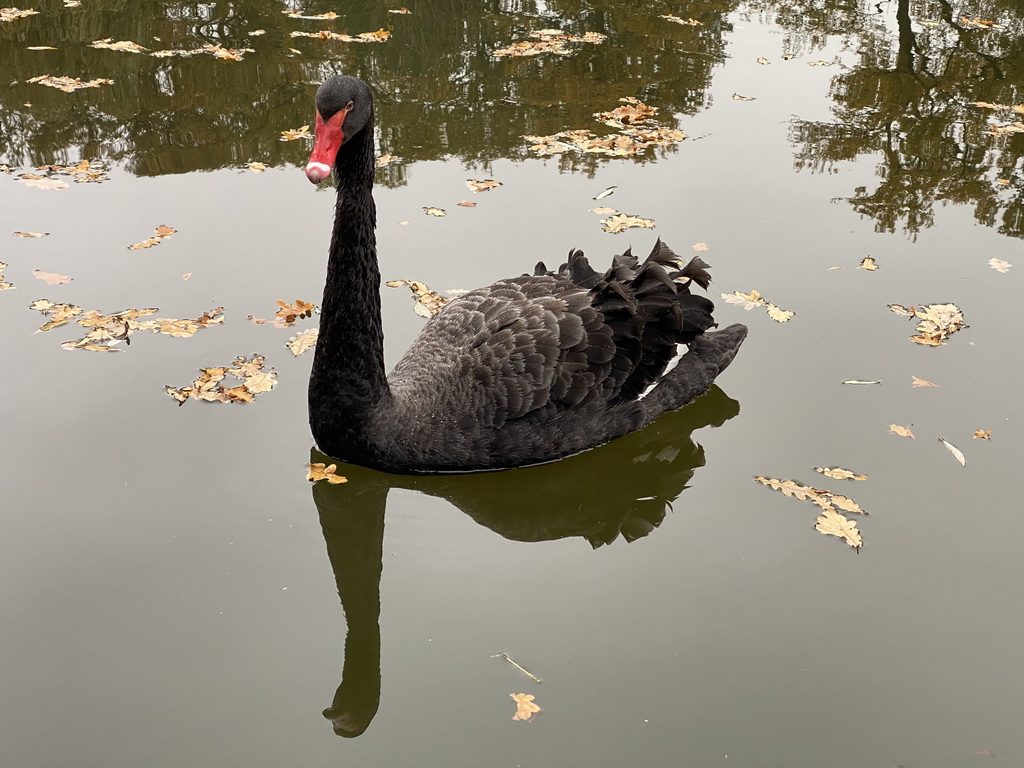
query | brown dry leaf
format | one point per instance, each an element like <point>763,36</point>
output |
<point>85,171</point>
<point>792,489</point>
<point>208,386</point>
<point>318,17</point>
<point>10,14</point>
<point>819,63</point>
<point>754,299</point>
<point>160,233</point>
<point>1005,130</point>
<point>983,434</point>
<point>868,263</point>
<point>762,60</point>
<point>937,322</point>
<point>296,133</point>
<point>621,222</point>
<point>677,20</point>
<point>896,429</point>
<point>526,710</point>
<point>72,3</point>
<point>380,36</point>
<point>476,185</point>
<point>287,313</point>
<point>603,210</point>
<point>69,84</point>
<point>386,160</point>
<point>699,246</point>
<point>432,211</point>
<point>30,234</point>
<point>836,473</point>
<point>999,265</point>
<point>979,23</point>
<point>403,10</point>
<point>186,276</point>
<point>4,286</point>
<point>641,133</point>
<point>42,182</point>
<point>120,45</point>
<point>957,454</point>
<point>738,97</point>
<point>256,32</point>
<point>550,41</point>
<point>832,523</point>
<point>105,330</point>
<point>317,471</point>
<point>51,278</point>
<point>302,341</point>
<point>465,204</point>
<point>428,302</point>
<point>916,382</point>
<point>256,167</point>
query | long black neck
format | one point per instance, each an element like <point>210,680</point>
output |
<point>348,379</point>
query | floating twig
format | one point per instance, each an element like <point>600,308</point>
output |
<point>510,661</point>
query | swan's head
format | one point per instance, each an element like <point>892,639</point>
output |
<point>344,107</point>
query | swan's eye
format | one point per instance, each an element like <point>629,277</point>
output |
<point>349,106</point>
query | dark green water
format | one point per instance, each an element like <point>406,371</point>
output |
<point>169,586</point>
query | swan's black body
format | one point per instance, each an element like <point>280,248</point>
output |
<point>524,371</point>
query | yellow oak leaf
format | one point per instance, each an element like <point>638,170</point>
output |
<point>318,471</point>
<point>526,710</point>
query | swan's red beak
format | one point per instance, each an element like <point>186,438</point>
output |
<point>327,139</point>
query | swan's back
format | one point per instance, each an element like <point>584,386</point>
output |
<point>543,366</point>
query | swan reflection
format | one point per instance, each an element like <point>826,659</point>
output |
<point>623,489</point>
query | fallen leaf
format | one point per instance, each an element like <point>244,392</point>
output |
<point>868,263</point>
<point>983,434</point>
<point>822,498</point>
<point>999,265</point>
<point>428,302</point>
<point>287,314</point>
<point>603,210</point>
<point>44,183</point>
<point>386,160</point>
<point>621,222</point>
<point>609,191</point>
<point>937,322</point>
<point>209,387</point>
<point>896,429</point>
<point>51,278</point>
<point>186,276</point>
<point>403,10</point>
<point>256,167</point>
<point>10,14</point>
<point>762,60</point>
<point>819,63</point>
<point>754,299</point>
<point>861,381</point>
<point>916,382</point>
<point>41,48</point>
<point>30,234</point>
<point>549,41</point>
<point>467,204</point>
<point>256,32</point>
<point>4,286</point>
<point>120,45</point>
<point>296,133</point>
<point>431,211</point>
<point>318,17</point>
<point>837,473</point>
<point>106,330</point>
<point>526,710</point>
<point>380,36</point>
<point>302,341</point>
<point>699,246</point>
<point>677,20</point>
<point>980,23</point>
<point>318,471</point>
<point>955,451</point>
<point>482,186</point>
<point>738,97</point>
<point>161,233</point>
<point>641,133</point>
<point>831,523</point>
<point>69,84</point>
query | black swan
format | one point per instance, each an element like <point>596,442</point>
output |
<point>524,371</point>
